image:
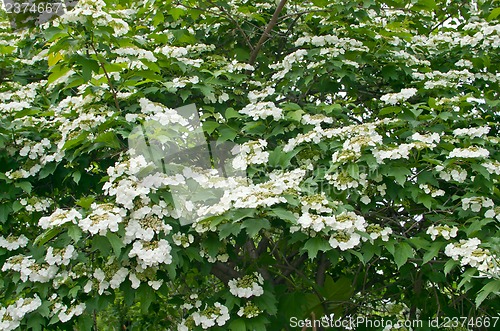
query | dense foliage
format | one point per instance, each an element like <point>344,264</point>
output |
<point>367,133</point>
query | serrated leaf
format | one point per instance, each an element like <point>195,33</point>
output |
<point>432,252</point>
<point>225,230</point>
<point>284,214</point>
<point>238,325</point>
<point>493,287</point>
<point>314,245</point>
<point>449,265</point>
<point>116,243</point>
<point>25,186</point>
<point>46,236</point>
<point>402,253</point>
<point>254,225</point>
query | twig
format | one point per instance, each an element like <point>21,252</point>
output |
<point>265,35</point>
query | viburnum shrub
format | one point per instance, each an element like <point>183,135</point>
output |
<point>363,136</point>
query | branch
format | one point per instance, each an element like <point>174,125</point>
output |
<point>235,22</point>
<point>265,35</point>
<point>101,64</point>
<point>224,272</point>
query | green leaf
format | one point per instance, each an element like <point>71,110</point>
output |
<point>225,230</point>
<point>493,287</point>
<point>284,214</point>
<point>494,14</point>
<point>254,225</point>
<point>210,126</point>
<point>25,186</point>
<point>116,243</point>
<point>108,139</point>
<point>353,170</point>
<point>390,110</point>
<point>74,232</point>
<point>432,252</point>
<point>76,176</point>
<point>231,113</point>
<point>5,210</point>
<point>101,244</point>
<point>238,325</point>
<point>399,173</point>
<point>449,265</point>
<point>402,253</point>
<point>145,295</point>
<point>46,236</point>
<point>314,245</point>
<point>85,202</point>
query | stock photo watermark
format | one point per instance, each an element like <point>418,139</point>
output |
<point>355,322</point>
<point>30,13</point>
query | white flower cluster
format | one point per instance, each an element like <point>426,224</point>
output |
<point>427,138</point>
<point>29,269</point>
<point>467,251</point>
<point>151,254</point>
<point>493,167</point>
<point>343,181</point>
<point>129,187</point>
<point>146,222</point>
<point>60,256</point>
<point>218,314</point>
<point>12,243</point>
<point>345,226</point>
<point>400,152</point>
<point>59,217</point>
<point>95,11</point>
<point>434,192</point>
<point>34,203</point>
<point>245,195</point>
<point>287,64</point>
<point>160,113</point>
<point>35,150</point>
<point>235,66</point>
<point>316,134</point>
<point>262,110</point>
<point>248,286</point>
<point>136,52</point>
<point>249,310</point>
<point>317,202</point>
<point>476,203</point>
<point>445,231</point>
<point>493,213</point>
<point>472,132</point>
<point>403,95</point>
<point>255,96</point>
<point>11,316</point>
<point>456,173</point>
<point>103,218</point>
<point>251,152</point>
<point>316,119</point>
<point>376,231</point>
<point>65,313</point>
<point>182,239</point>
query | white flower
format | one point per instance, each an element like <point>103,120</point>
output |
<point>61,256</point>
<point>150,254</point>
<point>104,218</point>
<point>344,240</point>
<point>469,152</point>
<point>59,217</point>
<point>219,314</point>
<point>444,230</point>
<point>394,98</point>
<point>262,110</point>
<point>12,243</point>
<point>246,287</point>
